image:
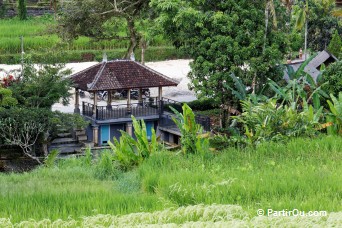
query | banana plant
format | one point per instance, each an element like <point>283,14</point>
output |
<point>301,87</point>
<point>125,152</point>
<point>143,145</point>
<point>193,140</point>
<point>335,115</point>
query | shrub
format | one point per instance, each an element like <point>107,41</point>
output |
<point>335,44</point>
<point>192,140</point>
<point>51,158</point>
<point>105,168</point>
<point>332,76</point>
<point>203,104</point>
<point>2,9</point>
<point>129,152</point>
<point>273,122</point>
<point>22,11</point>
<point>335,115</point>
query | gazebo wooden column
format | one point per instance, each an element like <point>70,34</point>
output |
<point>109,100</point>
<point>129,101</point>
<point>160,99</point>
<point>160,93</point>
<point>95,127</point>
<point>140,101</point>
<point>95,105</point>
<point>77,101</point>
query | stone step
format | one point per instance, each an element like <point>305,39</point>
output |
<point>63,130</point>
<point>78,132</point>
<point>82,138</point>
<point>64,135</point>
<point>63,141</point>
<point>67,148</point>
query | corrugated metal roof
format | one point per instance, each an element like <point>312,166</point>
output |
<point>312,67</point>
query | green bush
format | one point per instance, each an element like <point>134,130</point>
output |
<point>105,167</point>
<point>332,76</point>
<point>129,152</point>
<point>193,140</point>
<point>275,122</point>
<point>22,11</point>
<point>335,44</point>
<point>2,9</point>
<point>203,104</point>
<point>152,54</point>
<point>50,160</point>
<point>335,115</point>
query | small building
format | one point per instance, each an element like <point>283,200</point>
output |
<point>108,120</point>
<point>314,66</point>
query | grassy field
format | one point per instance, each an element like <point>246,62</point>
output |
<point>40,41</point>
<point>221,189</point>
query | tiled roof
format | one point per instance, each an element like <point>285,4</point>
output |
<point>119,74</point>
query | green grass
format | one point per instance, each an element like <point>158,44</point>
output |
<point>40,40</point>
<point>304,174</point>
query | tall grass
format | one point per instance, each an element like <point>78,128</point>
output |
<point>14,28</point>
<point>303,174</point>
<point>39,37</point>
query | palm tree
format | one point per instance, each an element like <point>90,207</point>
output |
<point>269,11</point>
<point>302,20</point>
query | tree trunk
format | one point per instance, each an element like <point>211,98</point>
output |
<point>306,38</point>
<point>45,144</point>
<point>133,37</point>
<point>28,152</point>
<point>266,28</point>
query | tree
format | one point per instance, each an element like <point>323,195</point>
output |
<point>322,24</point>
<point>302,21</point>
<point>32,128</point>
<point>333,76</point>
<point>335,44</point>
<point>24,135</point>
<point>22,11</point>
<point>222,37</point>
<point>42,86</point>
<point>102,19</point>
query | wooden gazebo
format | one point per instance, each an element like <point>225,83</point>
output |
<point>118,75</point>
<point>112,76</point>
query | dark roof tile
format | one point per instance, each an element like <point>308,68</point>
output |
<point>120,74</point>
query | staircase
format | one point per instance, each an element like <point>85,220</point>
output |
<point>69,143</point>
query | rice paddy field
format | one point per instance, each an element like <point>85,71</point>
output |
<point>228,188</point>
<point>40,41</point>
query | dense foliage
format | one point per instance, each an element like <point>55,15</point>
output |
<point>42,86</point>
<point>26,119</point>
<point>333,78</point>
<point>222,38</point>
<point>22,11</point>
<point>102,20</point>
<point>321,24</point>
<point>335,45</point>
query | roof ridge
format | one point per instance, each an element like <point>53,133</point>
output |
<point>99,73</point>
<point>156,72</point>
<point>82,71</point>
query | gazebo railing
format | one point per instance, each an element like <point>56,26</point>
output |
<point>121,110</point>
